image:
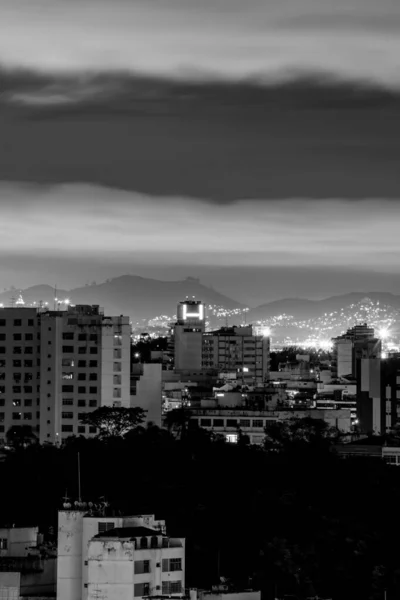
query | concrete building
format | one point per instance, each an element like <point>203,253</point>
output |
<point>18,541</point>
<point>27,566</point>
<point>188,336</point>
<point>358,342</point>
<point>117,557</point>
<point>146,390</point>
<point>238,350</point>
<point>227,422</point>
<point>55,365</point>
<point>378,394</point>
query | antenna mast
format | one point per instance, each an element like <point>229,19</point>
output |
<point>79,477</point>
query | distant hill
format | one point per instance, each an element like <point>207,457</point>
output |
<point>137,297</point>
<point>304,309</point>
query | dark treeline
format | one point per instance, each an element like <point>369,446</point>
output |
<point>298,521</point>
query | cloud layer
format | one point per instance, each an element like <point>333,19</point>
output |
<point>231,38</point>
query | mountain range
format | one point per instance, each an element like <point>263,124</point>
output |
<point>147,300</point>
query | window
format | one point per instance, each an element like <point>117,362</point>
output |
<point>28,402</point>
<point>171,587</point>
<point>68,401</point>
<point>218,422</point>
<point>68,335</point>
<point>16,389</point>
<point>93,350</point>
<point>144,542</point>
<point>82,337</point>
<point>171,564</point>
<point>142,566</point>
<point>29,337</point>
<point>67,388</point>
<point>16,416</point>
<point>92,403</point>
<point>67,362</point>
<point>92,430</point>
<point>81,376</point>
<point>17,322</point>
<point>81,402</point>
<point>3,543</point>
<point>67,376</point>
<point>17,350</point>
<point>2,350</point>
<point>2,417</point>
<point>92,376</point>
<point>82,350</point>
<point>117,353</point>
<point>2,322</point>
<point>93,363</point>
<point>117,367</point>
<point>244,422</point>
<point>81,416</point>
<point>68,349</point>
<point>2,363</point>
<point>141,589</point>
<point>67,415</point>
<point>258,423</point>
<point>2,389</point>
<point>105,526</point>
<point>205,422</point>
<point>67,428</point>
<point>2,401</point>
<point>231,422</point>
<point>154,542</point>
<point>28,350</point>
<point>82,363</point>
<point>81,389</point>
<point>28,363</point>
<point>93,390</point>
<point>3,337</point>
<point>17,337</point>
<point>81,429</point>
<point>117,380</point>
<point>2,376</point>
<point>93,337</point>
<point>30,322</point>
<point>28,416</point>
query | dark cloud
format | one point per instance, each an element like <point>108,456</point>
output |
<point>308,138</point>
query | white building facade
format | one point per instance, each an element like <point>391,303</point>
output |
<point>115,558</point>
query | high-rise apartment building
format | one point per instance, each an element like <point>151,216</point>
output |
<point>378,394</point>
<point>238,350</point>
<point>55,365</point>
<point>188,336</point>
<point>358,342</point>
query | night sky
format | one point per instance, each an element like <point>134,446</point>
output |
<point>176,137</point>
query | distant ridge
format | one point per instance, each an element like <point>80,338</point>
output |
<point>135,296</point>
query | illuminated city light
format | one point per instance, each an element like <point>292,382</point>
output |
<point>383,333</point>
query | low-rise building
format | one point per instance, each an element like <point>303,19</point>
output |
<point>228,422</point>
<point>117,557</point>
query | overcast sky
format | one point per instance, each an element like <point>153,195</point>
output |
<point>104,172</point>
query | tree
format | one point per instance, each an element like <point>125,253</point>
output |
<point>285,435</point>
<point>177,421</point>
<point>114,421</point>
<point>21,436</point>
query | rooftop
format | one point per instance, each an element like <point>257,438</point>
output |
<point>129,532</point>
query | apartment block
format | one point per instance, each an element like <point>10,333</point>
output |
<point>117,557</point>
<point>238,350</point>
<point>57,365</point>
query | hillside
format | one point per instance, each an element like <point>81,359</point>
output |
<point>138,297</point>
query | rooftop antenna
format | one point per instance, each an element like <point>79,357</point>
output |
<point>12,301</point>
<point>79,477</point>
<point>55,298</point>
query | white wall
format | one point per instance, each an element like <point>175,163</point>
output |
<point>19,540</point>
<point>149,393</point>
<point>69,555</point>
